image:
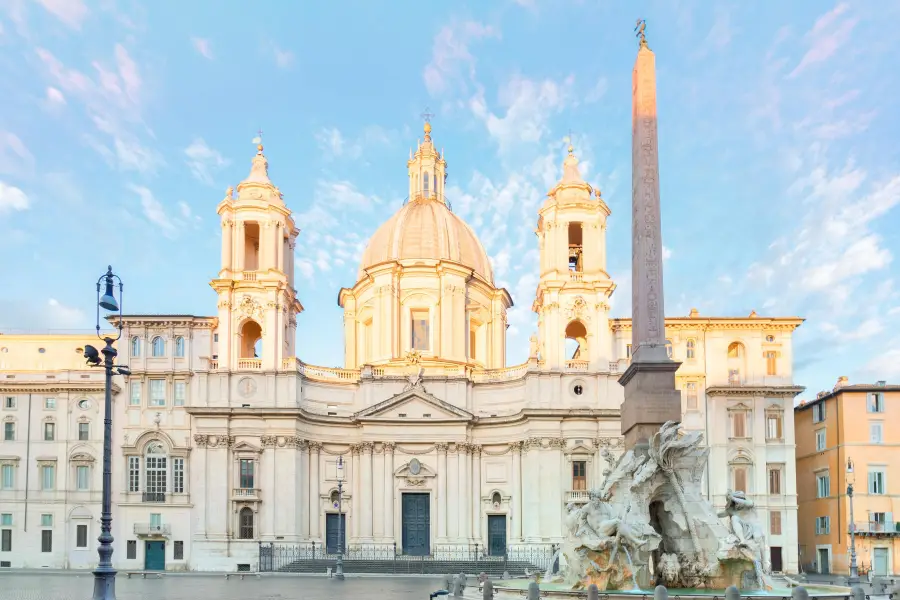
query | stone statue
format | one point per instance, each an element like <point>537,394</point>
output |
<point>736,503</point>
<point>414,380</point>
<point>229,192</point>
<point>534,348</point>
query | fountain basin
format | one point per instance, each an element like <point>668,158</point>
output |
<point>515,588</point>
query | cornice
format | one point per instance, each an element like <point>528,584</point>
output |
<point>713,323</point>
<point>785,391</point>
<point>55,387</point>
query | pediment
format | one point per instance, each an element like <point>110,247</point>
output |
<point>579,449</point>
<point>413,405</point>
<point>414,468</point>
<point>245,447</point>
<point>739,406</point>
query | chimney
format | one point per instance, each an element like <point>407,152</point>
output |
<point>841,382</point>
<point>881,383</point>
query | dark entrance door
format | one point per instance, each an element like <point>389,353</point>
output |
<point>331,533</point>
<point>497,535</point>
<point>775,556</point>
<point>155,556</point>
<point>416,524</point>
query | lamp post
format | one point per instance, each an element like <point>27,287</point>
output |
<point>105,574</point>
<point>854,572</point>
<point>339,567</point>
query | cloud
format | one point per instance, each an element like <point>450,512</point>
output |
<point>831,31</point>
<point>155,212</point>
<point>451,62</point>
<point>597,92</point>
<point>12,199</point>
<point>204,161</point>
<point>336,145</point>
<point>55,97</point>
<point>666,253</point>
<point>70,12</point>
<point>15,158</point>
<point>202,46</point>
<point>343,194</point>
<point>65,317</point>
<point>283,58</point>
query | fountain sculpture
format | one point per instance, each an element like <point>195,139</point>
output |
<point>649,524</point>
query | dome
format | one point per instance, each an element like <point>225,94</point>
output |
<point>426,228</point>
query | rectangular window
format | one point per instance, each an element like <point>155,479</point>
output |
<point>823,486</point>
<point>876,482</point>
<point>8,480</point>
<point>740,479</point>
<point>876,402</point>
<point>9,432</point>
<point>691,388</point>
<point>879,521</point>
<point>419,324</point>
<point>49,432</point>
<point>215,337</point>
<point>50,403</point>
<point>134,473</point>
<point>739,424</point>
<point>6,519</point>
<point>876,432</point>
<point>821,440</point>
<point>178,475</point>
<point>47,540</point>
<point>178,550</point>
<point>131,550</point>
<point>579,475</point>
<point>82,478</point>
<point>84,431</point>
<point>157,392</point>
<point>771,367</point>
<point>6,540</point>
<point>775,522</point>
<point>9,402</point>
<point>135,399</point>
<point>628,351</point>
<point>46,520</point>
<point>775,480</point>
<point>774,426</point>
<point>81,536</point>
<point>155,520</point>
<point>472,344</point>
<point>246,474</point>
<point>48,477</point>
<point>823,525</point>
<point>180,390</point>
<point>818,412</point>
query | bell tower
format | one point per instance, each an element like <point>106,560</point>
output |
<point>258,304</point>
<point>572,299</point>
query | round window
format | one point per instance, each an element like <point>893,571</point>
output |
<point>578,389</point>
<point>770,338</point>
<point>42,350</point>
<point>415,467</point>
<point>84,404</point>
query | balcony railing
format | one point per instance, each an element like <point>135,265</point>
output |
<point>153,497</point>
<point>576,365</point>
<point>507,374</point>
<point>577,497</point>
<point>251,364</point>
<point>877,527</point>
<point>152,529</point>
<point>246,493</point>
<point>576,276</point>
<point>248,275</point>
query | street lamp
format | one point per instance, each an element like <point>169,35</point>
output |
<point>339,567</point>
<point>854,572</point>
<point>105,575</point>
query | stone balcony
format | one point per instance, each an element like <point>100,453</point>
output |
<point>246,494</point>
<point>153,530</point>
<point>577,497</point>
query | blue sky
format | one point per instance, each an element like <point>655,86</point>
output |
<point>122,123</point>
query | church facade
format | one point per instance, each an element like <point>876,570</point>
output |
<point>225,439</point>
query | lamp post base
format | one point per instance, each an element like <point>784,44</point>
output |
<point>104,584</point>
<point>339,569</point>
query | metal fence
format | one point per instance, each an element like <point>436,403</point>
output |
<point>389,558</point>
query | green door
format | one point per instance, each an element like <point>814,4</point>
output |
<point>155,556</point>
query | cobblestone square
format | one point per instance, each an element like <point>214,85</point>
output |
<point>41,586</point>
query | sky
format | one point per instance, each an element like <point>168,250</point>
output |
<point>122,124</point>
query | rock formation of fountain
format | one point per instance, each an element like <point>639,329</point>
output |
<point>649,524</point>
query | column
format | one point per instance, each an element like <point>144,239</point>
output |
<point>199,480</point>
<point>239,247</point>
<point>227,244</point>
<point>531,485</point>
<point>262,263</point>
<point>274,245</point>
<point>476,494</point>
<point>306,509</point>
<point>268,508</point>
<point>280,242</point>
<point>389,491</point>
<point>366,495</point>
<point>463,493</point>
<point>516,493</point>
<point>314,448</point>
<point>355,509</point>
<point>442,491</point>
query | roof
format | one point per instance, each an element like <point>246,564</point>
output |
<point>855,387</point>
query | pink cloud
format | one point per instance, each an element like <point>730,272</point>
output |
<point>70,12</point>
<point>830,32</point>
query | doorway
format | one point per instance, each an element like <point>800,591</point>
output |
<point>496,535</point>
<point>822,556</point>
<point>880,561</point>
<point>332,525</point>
<point>155,556</point>
<point>416,528</point>
<point>776,559</point>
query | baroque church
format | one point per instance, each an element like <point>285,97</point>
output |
<point>226,442</point>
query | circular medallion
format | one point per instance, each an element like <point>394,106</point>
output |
<point>84,404</point>
<point>246,387</point>
<point>415,467</point>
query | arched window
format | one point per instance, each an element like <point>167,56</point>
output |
<point>736,366</point>
<point>135,346</point>
<point>735,350</point>
<point>179,347</point>
<point>691,347</point>
<point>335,501</point>
<point>158,347</point>
<point>246,524</point>
<point>427,181</point>
<point>156,470</point>
<point>251,340</point>
<point>576,341</point>
<point>496,499</point>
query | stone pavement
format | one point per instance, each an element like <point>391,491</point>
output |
<point>44,586</point>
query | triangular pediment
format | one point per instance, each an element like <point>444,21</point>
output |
<point>413,405</point>
<point>245,447</point>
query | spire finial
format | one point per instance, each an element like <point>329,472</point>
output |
<point>258,141</point>
<point>569,140</point>
<point>427,116</point>
<point>639,29</point>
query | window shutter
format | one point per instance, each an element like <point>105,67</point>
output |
<point>871,482</point>
<point>827,524</point>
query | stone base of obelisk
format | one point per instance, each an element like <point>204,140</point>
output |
<point>650,400</point>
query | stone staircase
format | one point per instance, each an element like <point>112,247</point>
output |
<point>413,566</point>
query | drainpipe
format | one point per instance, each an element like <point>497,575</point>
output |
<point>27,462</point>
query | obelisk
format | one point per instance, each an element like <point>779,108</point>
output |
<point>650,395</point>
